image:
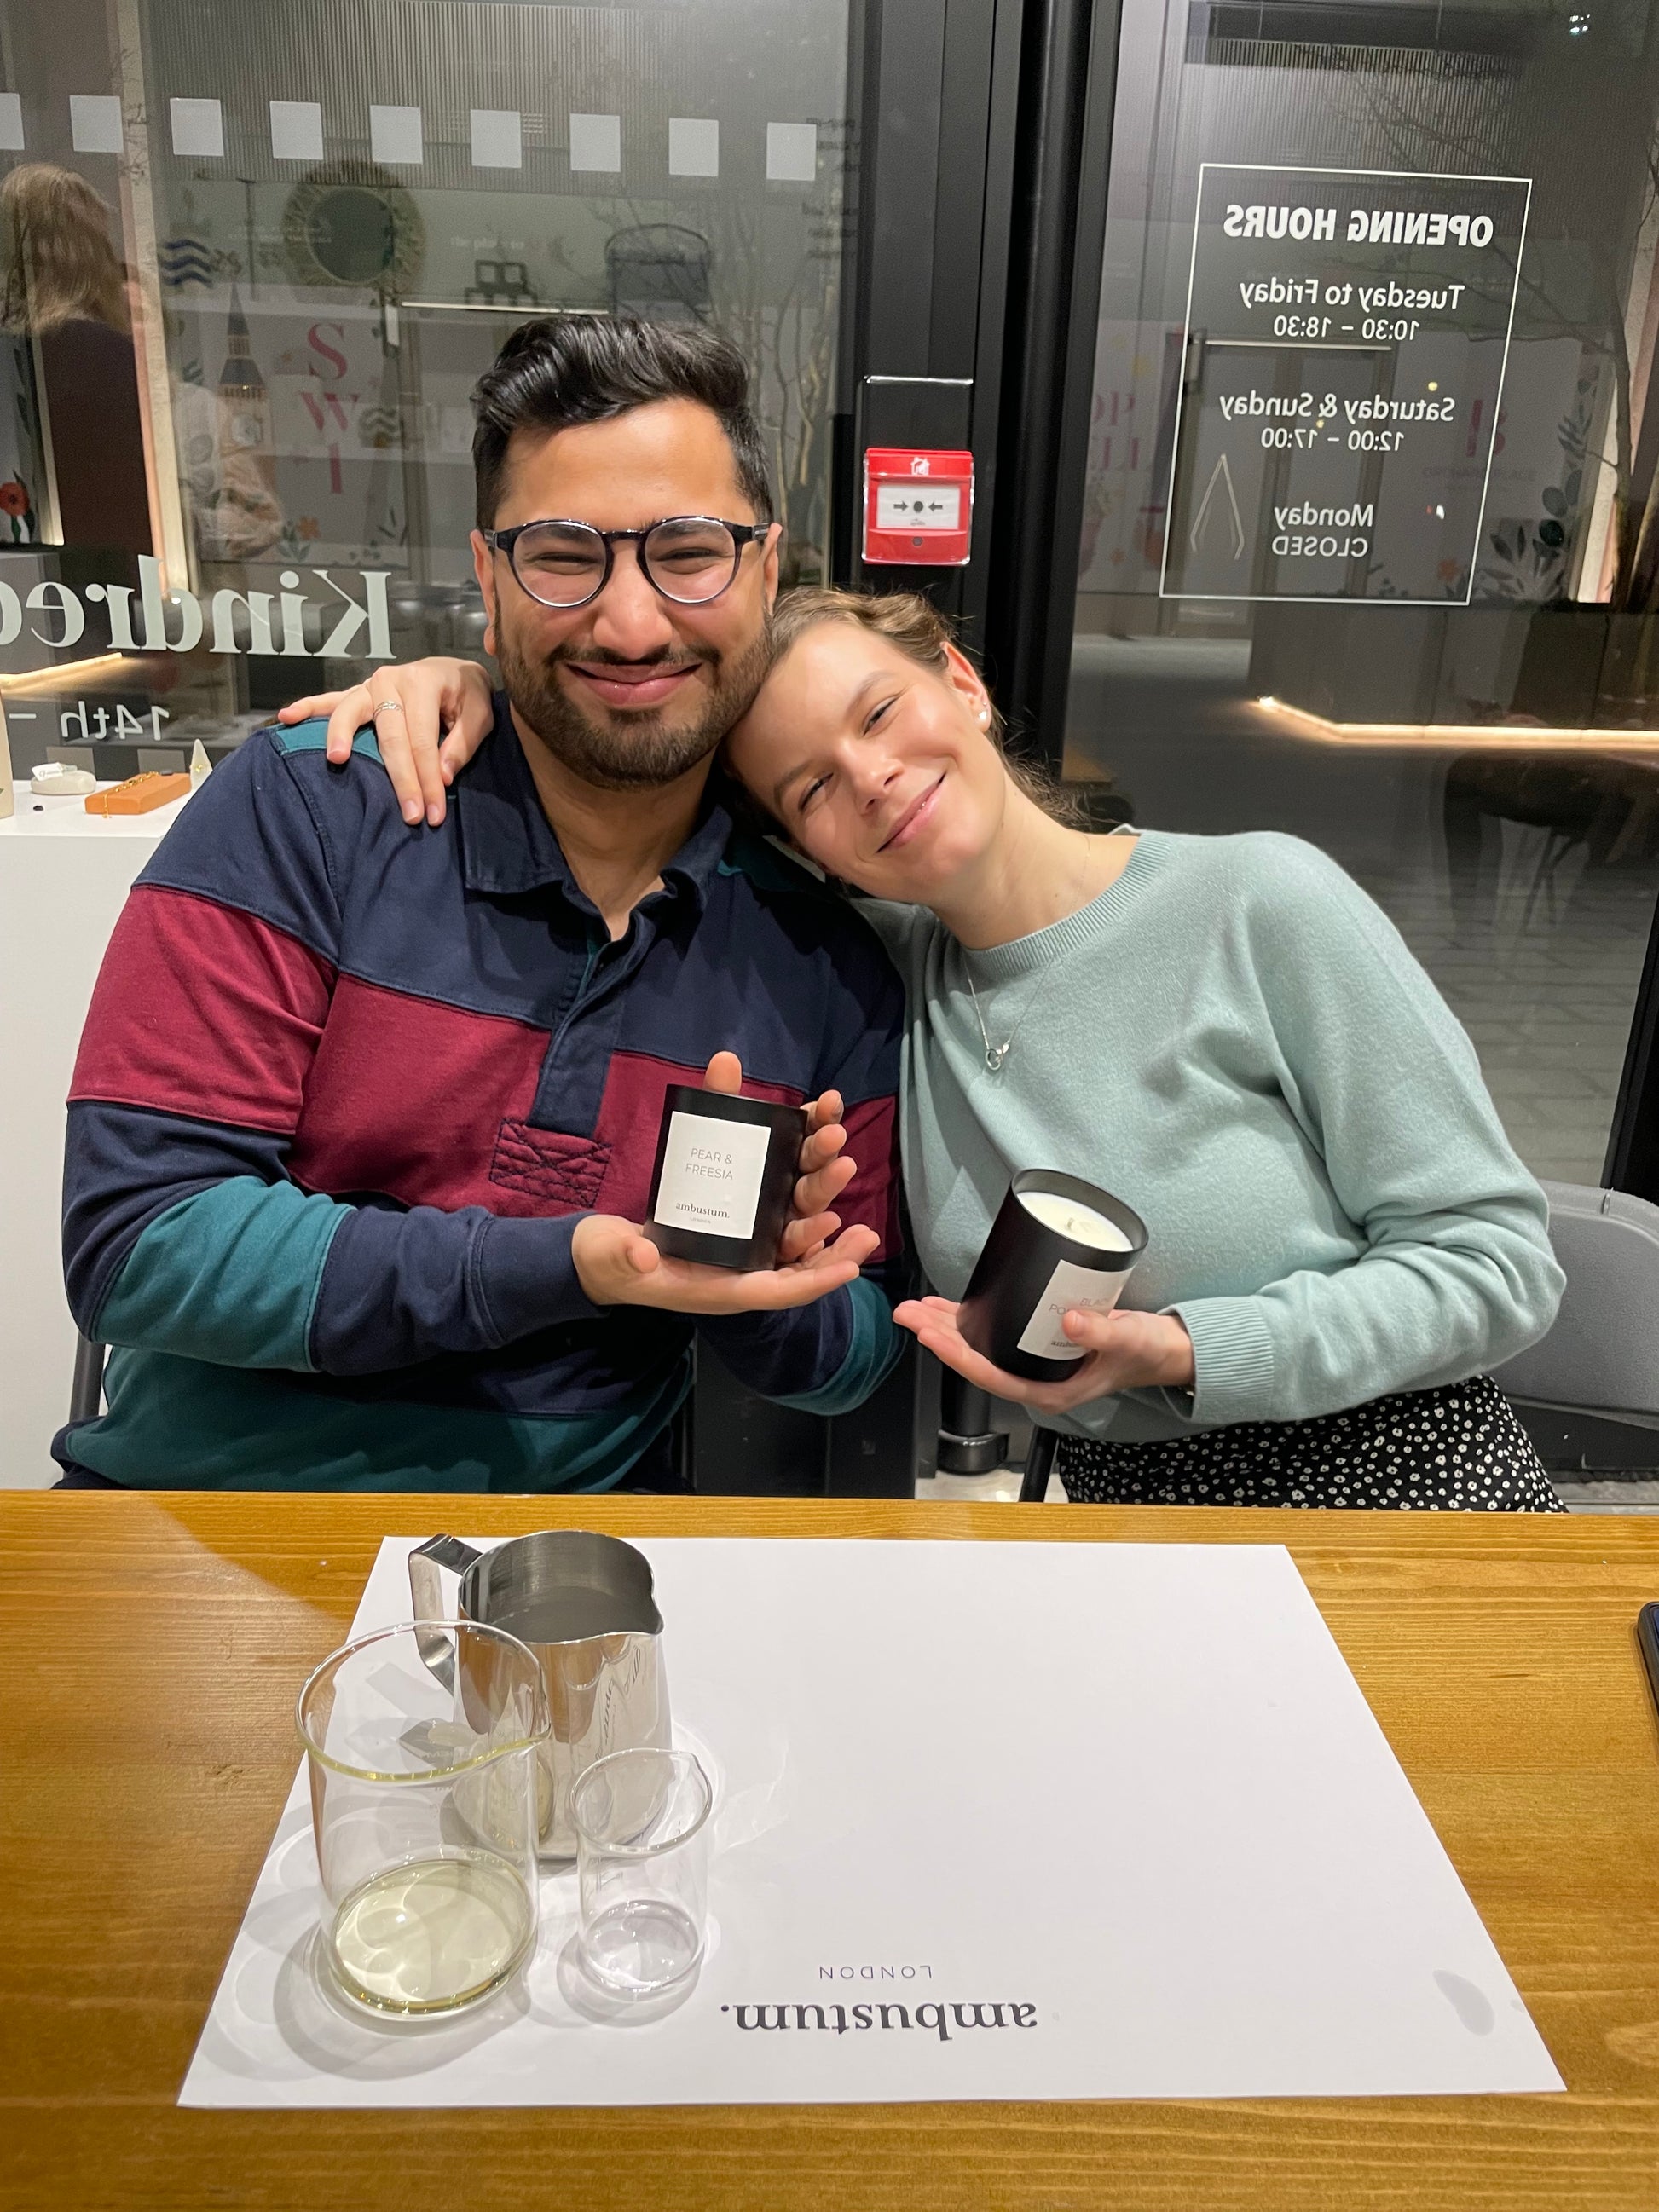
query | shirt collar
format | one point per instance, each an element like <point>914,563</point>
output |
<point>509,847</point>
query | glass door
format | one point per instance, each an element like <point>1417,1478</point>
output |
<point>1370,541</point>
<point>256,252</point>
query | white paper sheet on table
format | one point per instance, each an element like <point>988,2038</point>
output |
<point>1127,1794</point>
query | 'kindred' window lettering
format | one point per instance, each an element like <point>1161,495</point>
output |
<point>178,622</point>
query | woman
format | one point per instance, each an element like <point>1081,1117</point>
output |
<point>1223,1031</point>
<point>65,291</point>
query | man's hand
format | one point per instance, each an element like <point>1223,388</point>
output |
<point>618,1264</point>
<point>430,717</point>
<point>825,1170</point>
<point>1126,1352</point>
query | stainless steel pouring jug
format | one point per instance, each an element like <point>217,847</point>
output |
<point>583,1604</point>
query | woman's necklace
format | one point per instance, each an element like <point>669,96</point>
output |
<point>996,1054</point>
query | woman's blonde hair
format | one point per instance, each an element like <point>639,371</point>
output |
<point>916,626</point>
<point>60,265</point>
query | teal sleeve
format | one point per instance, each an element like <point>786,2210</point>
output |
<point>874,1347</point>
<point>1457,1273</point>
<point>230,1275</point>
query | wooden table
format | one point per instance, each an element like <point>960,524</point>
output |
<point>155,1645</point>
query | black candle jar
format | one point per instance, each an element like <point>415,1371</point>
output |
<point>725,1178</point>
<point>1056,1243</point>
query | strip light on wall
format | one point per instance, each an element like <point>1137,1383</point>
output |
<point>65,676</point>
<point>1441,734</point>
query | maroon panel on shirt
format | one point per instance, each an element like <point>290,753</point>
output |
<point>872,1198</point>
<point>428,1103</point>
<point>408,1096</point>
<point>630,1115</point>
<point>202,1010</point>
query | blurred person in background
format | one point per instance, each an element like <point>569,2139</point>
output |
<point>64,290</point>
<point>67,292</point>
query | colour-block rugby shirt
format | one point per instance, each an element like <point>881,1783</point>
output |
<point>345,1089</point>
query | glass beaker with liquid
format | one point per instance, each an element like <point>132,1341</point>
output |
<point>422,1743</point>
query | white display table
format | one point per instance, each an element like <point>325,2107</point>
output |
<point>64,875</point>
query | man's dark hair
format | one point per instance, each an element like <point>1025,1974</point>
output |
<point>564,369</point>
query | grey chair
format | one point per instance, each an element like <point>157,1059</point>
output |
<point>1602,1355</point>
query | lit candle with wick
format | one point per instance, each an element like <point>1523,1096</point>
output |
<point>1080,1223</point>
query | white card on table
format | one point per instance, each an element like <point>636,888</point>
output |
<point>1086,1819</point>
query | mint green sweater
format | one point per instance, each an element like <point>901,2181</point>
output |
<point>1234,1039</point>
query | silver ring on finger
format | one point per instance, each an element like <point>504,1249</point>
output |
<point>387,706</point>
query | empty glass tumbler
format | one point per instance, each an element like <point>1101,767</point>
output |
<point>641,1818</point>
<point>422,1743</point>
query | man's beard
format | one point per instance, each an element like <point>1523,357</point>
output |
<point>641,752</point>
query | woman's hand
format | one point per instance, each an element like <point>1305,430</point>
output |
<point>1125,1351</point>
<point>430,717</point>
<point>618,1264</point>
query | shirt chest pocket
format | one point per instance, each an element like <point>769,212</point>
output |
<point>555,1173</point>
<point>539,1170</point>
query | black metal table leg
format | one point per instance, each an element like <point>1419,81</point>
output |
<point>1039,1465</point>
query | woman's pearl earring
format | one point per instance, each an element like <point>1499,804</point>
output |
<point>985,713</point>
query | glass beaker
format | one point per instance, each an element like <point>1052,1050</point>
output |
<point>642,1865</point>
<point>421,1744</point>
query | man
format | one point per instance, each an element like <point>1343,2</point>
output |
<point>362,1126</point>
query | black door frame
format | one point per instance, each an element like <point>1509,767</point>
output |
<point>1632,1159</point>
<point>975,235</point>
<point>932,93</point>
<point>1067,85</point>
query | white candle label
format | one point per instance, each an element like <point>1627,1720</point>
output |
<point>711,1175</point>
<point>1069,1287</point>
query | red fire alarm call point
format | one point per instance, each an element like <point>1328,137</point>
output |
<point>918,508</point>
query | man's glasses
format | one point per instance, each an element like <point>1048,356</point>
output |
<point>688,558</point>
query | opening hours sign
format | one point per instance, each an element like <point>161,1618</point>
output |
<point>1347,331</point>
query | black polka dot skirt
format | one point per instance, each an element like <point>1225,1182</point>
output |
<point>1457,1449</point>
